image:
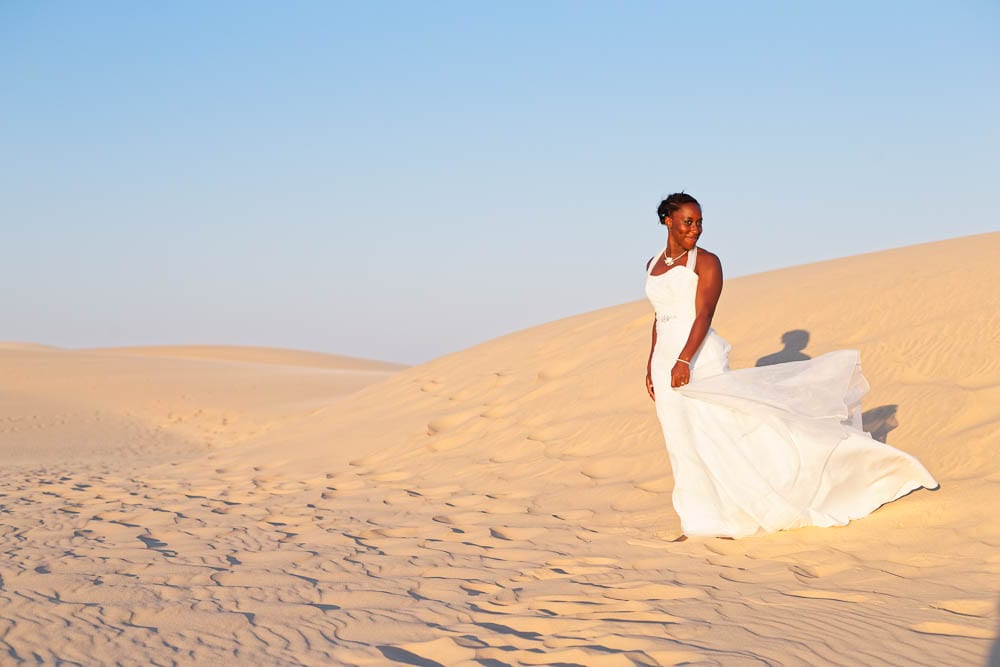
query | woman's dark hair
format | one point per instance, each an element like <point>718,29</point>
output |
<point>672,203</point>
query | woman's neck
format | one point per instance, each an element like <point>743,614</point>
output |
<point>673,249</point>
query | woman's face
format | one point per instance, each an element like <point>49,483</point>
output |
<point>685,225</point>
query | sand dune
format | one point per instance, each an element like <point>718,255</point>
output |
<point>507,504</point>
<point>159,403</point>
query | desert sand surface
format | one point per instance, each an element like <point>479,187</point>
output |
<point>508,504</point>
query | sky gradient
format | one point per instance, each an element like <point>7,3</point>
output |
<point>399,181</point>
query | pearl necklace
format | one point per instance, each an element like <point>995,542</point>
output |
<point>669,261</point>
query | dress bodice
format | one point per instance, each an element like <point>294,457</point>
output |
<point>672,293</point>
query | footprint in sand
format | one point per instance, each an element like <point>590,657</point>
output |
<point>499,411</point>
<point>466,393</point>
<point>443,444</point>
<point>479,587</point>
<point>818,570</point>
<point>435,492</point>
<point>462,518</point>
<point>516,534</point>
<point>503,378</point>
<point>472,500</point>
<point>430,387</point>
<point>391,476</point>
<point>557,370</point>
<point>450,421</point>
<point>510,454</point>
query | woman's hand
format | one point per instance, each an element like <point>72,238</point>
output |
<point>649,386</point>
<point>680,374</point>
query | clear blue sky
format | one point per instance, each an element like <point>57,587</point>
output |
<point>399,180</point>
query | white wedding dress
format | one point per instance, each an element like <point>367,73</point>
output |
<point>769,448</point>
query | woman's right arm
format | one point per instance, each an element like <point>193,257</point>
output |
<point>652,346</point>
<point>649,363</point>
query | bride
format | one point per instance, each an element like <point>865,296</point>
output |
<point>756,449</point>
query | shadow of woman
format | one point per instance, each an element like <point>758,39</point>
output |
<point>794,341</point>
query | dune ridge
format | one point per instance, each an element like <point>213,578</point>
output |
<point>510,503</point>
<point>258,355</point>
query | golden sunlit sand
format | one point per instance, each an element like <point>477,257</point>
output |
<point>508,504</point>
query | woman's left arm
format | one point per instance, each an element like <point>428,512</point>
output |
<point>705,301</point>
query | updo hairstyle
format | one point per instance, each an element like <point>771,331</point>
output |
<point>672,203</point>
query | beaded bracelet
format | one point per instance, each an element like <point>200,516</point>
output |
<point>683,362</point>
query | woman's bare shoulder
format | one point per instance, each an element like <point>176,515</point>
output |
<point>707,260</point>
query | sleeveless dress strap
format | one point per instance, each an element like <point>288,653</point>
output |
<point>652,262</point>
<point>692,258</point>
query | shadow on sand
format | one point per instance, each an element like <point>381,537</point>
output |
<point>993,660</point>
<point>794,341</point>
<point>879,421</point>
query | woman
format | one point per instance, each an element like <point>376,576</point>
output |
<point>757,449</point>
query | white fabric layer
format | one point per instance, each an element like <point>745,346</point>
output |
<point>769,448</point>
